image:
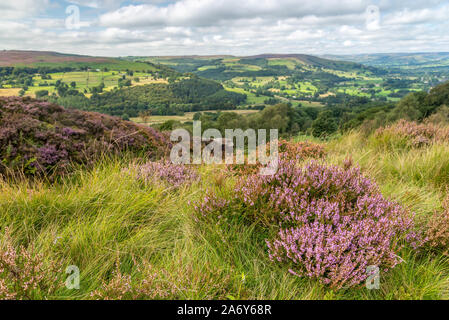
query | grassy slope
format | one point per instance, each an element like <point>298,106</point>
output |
<point>99,216</point>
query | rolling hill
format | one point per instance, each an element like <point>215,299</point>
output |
<point>395,59</point>
<point>298,78</point>
<point>102,84</point>
<point>258,63</point>
<point>114,86</point>
<point>36,59</point>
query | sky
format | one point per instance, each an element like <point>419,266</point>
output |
<point>234,27</point>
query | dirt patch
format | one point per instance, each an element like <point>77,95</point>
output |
<point>9,92</point>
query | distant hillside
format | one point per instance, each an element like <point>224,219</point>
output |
<point>16,57</point>
<point>303,79</point>
<point>226,67</point>
<point>36,59</point>
<point>430,62</point>
<point>394,59</point>
<point>313,61</point>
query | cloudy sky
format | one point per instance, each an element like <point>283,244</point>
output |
<point>238,27</point>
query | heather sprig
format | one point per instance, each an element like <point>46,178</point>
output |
<point>153,285</point>
<point>175,175</point>
<point>436,229</point>
<point>24,274</point>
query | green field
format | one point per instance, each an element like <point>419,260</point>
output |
<point>84,80</point>
<point>252,98</point>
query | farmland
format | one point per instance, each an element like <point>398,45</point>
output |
<point>264,80</point>
<point>298,78</point>
<point>84,80</point>
<point>115,86</point>
<point>81,80</point>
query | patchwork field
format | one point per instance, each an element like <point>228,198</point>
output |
<point>298,77</point>
<point>82,81</point>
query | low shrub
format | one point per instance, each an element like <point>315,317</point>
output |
<point>406,134</point>
<point>289,150</point>
<point>42,138</point>
<point>332,223</point>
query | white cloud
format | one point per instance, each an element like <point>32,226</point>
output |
<point>211,12</point>
<point>407,16</point>
<point>158,27</point>
<point>49,23</point>
<point>17,9</point>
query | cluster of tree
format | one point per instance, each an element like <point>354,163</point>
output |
<point>187,95</point>
<point>416,106</point>
<point>286,118</point>
<point>16,71</point>
<point>224,73</point>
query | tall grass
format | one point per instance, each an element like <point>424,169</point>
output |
<point>103,218</point>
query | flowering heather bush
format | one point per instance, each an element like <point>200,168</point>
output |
<point>288,150</point>
<point>411,134</point>
<point>333,223</point>
<point>42,138</point>
<point>174,175</point>
<point>24,275</point>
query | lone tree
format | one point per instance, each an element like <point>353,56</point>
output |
<point>145,116</point>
